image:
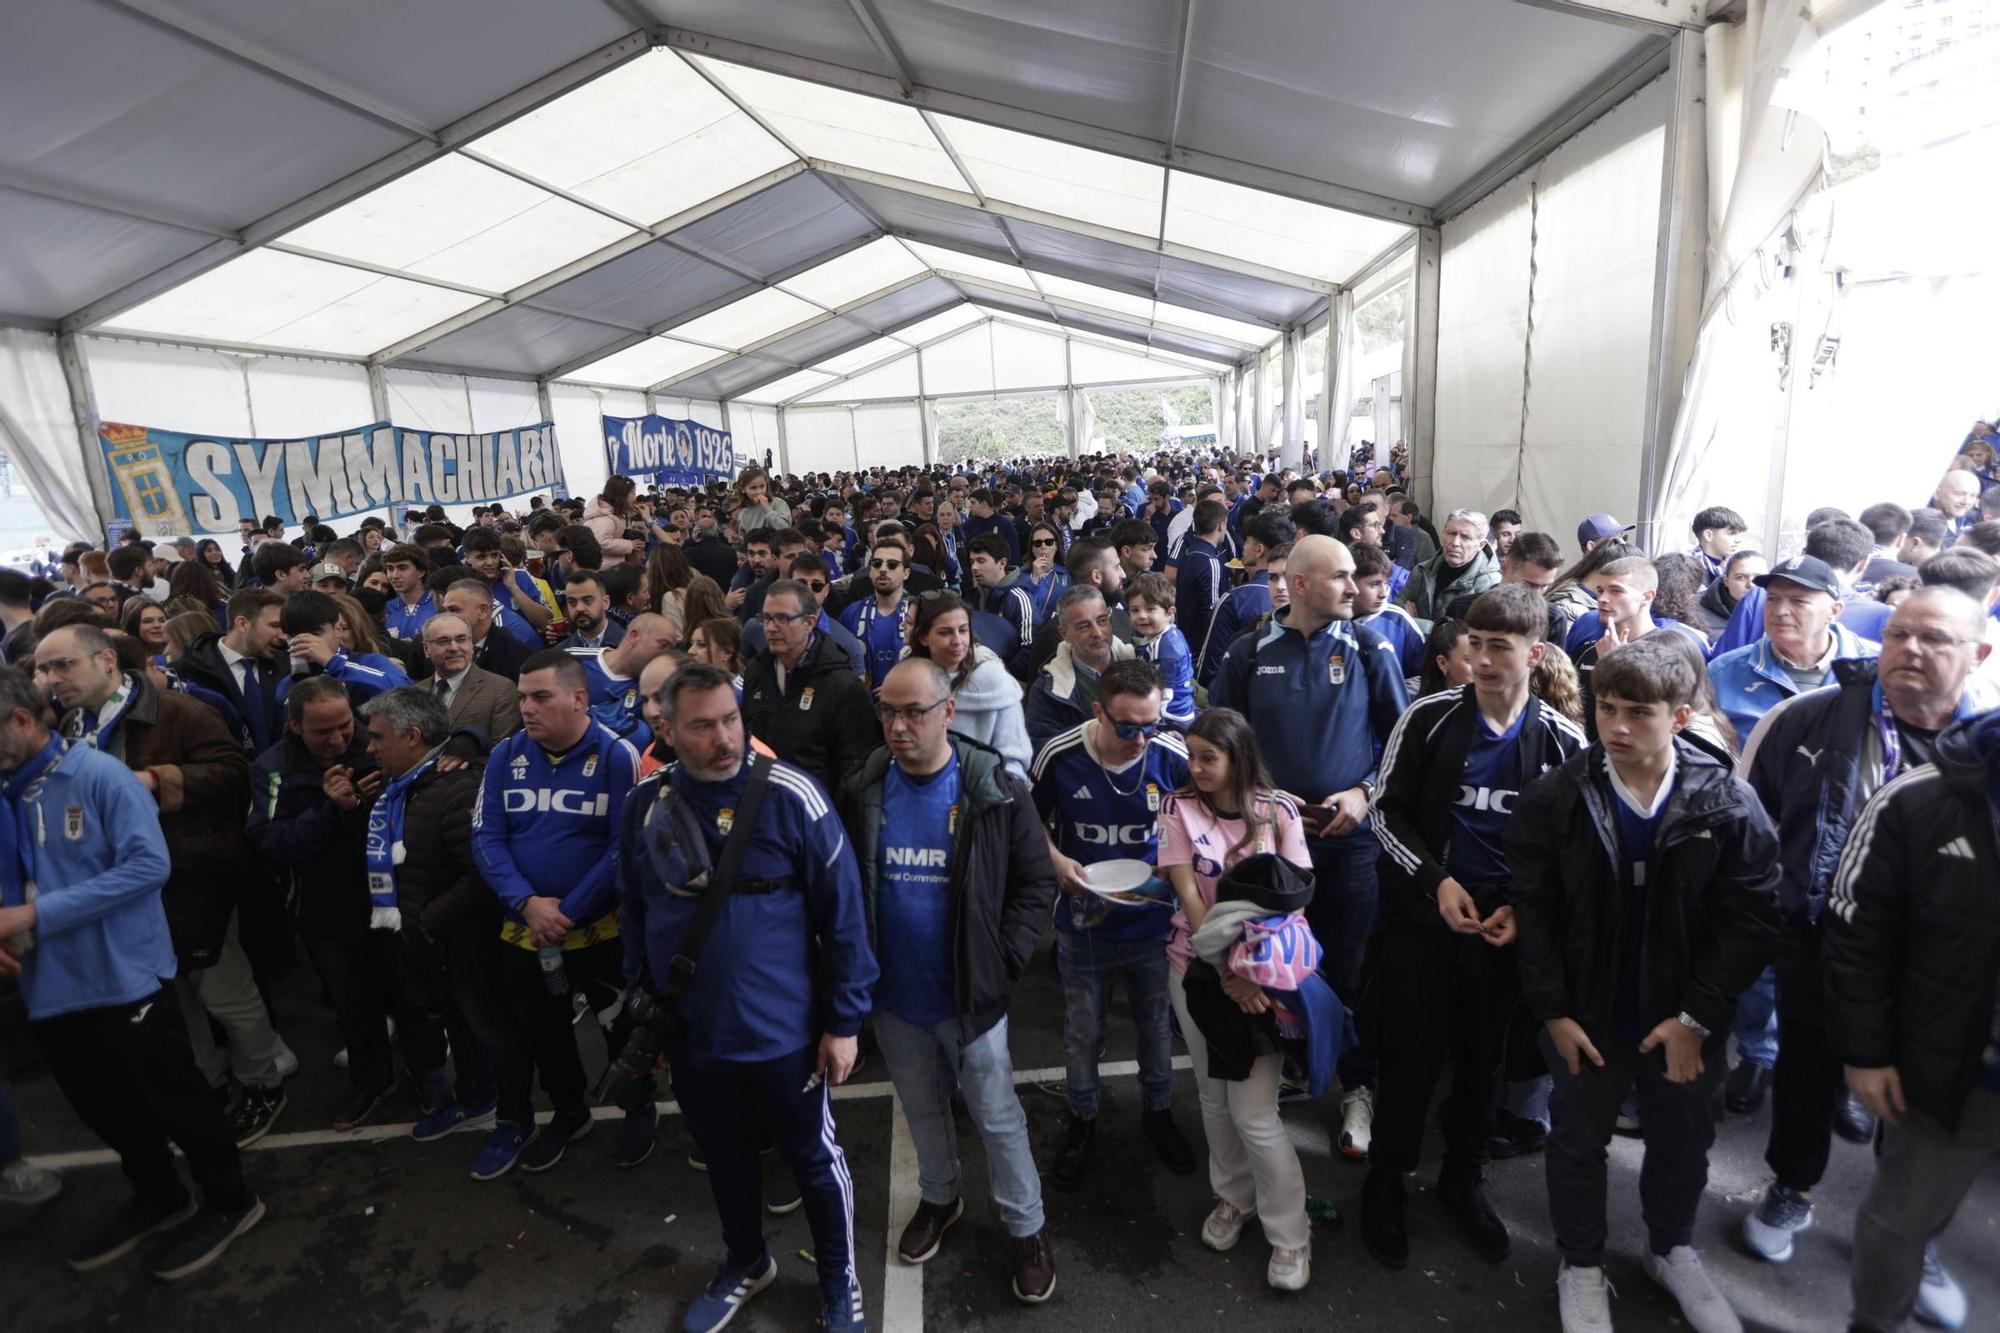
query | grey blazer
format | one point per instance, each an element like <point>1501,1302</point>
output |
<point>487,701</point>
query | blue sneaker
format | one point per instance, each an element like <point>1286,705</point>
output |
<point>500,1151</point>
<point>547,1148</point>
<point>728,1292</point>
<point>451,1118</point>
<point>636,1136</point>
<point>842,1314</point>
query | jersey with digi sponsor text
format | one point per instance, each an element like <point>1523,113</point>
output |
<point>1103,816</point>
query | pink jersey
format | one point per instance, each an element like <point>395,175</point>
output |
<point>1191,835</point>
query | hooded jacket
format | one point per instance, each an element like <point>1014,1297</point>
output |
<point>1711,896</point>
<point>990,711</point>
<point>1749,682</point>
<point>1425,596</point>
<point>1061,697</point>
<point>1912,929</point>
<point>292,824</point>
<point>608,528</point>
<point>438,885</point>
<point>1002,882</point>
<point>822,721</point>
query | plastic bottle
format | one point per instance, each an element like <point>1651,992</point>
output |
<point>554,975</point>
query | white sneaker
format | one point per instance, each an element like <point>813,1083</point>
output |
<point>1941,1301</point>
<point>1223,1226</point>
<point>27,1186</point>
<point>1768,1228</point>
<point>339,1059</point>
<point>1357,1122</point>
<point>1681,1273</point>
<point>1584,1298</point>
<point>1289,1270</point>
<point>288,1063</point>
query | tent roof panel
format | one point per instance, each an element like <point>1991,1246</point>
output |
<point>266,296</point>
<point>1408,101</point>
<point>777,391</point>
<point>77,254</point>
<point>776,229</point>
<point>1303,238</point>
<point>647,363</point>
<point>855,274</point>
<point>752,319</point>
<point>645,287</point>
<point>839,126</point>
<point>1058,178</point>
<point>820,29</point>
<point>520,339</point>
<point>612,142</point>
<point>495,46</point>
<point>461,221</point>
<point>858,358</point>
<point>938,325</point>
<point>100,100</point>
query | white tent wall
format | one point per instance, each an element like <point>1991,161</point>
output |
<point>891,434</point>
<point>755,431</point>
<point>1545,311</point>
<point>38,429</point>
<point>820,439</point>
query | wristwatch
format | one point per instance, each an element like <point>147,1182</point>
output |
<point>1687,1021</point>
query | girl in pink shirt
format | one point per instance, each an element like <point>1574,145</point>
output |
<point>1229,812</point>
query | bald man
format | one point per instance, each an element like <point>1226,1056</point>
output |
<point>1814,760</point>
<point>1323,694</point>
<point>613,674</point>
<point>1957,498</point>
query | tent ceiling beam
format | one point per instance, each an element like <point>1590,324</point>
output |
<point>1105,341</point>
<point>844,313</point>
<point>625,245</point>
<point>252,55</point>
<point>1058,304</point>
<point>21,183</point>
<point>1137,147</point>
<point>1386,260</point>
<point>1000,209</point>
<point>355,184</point>
<point>1617,85</point>
<point>1655,16</point>
<point>885,45</point>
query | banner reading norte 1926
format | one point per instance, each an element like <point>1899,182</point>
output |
<point>170,482</point>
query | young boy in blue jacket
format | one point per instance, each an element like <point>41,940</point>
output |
<point>1645,901</point>
<point>1149,601</point>
<point>81,926</point>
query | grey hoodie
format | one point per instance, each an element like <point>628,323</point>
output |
<point>989,711</point>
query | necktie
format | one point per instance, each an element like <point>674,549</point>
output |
<point>253,706</point>
<point>444,688</point>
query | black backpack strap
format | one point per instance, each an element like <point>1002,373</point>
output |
<point>721,879</point>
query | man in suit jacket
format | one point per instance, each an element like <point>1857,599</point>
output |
<point>244,665</point>
<point>494,650</point>
<point>474,697</point>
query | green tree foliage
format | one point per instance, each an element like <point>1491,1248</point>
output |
<point>999,428</point>
<point>1131,420</point>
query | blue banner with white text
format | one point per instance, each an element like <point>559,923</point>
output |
<point>170,483</point>
<point>667,451</point>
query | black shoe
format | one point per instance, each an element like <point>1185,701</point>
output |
<point>1514,1136</point>
<point>200,1241</point>
<point>360,1107</point>
<point>1743,1091</point>
<point>1851,1120</point>
<point>115,1238</point>
<point>1383,1228</point>
<point>254,1113</point>
<point>1463,1195</point>
<point>1078,1138</point>
<point>1167,1141</point>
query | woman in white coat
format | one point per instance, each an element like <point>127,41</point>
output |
<point>989,700</point>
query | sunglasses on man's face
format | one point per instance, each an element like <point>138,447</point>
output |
<point>1133,731</point>
<point>885,564</point>
<point>817,585</point>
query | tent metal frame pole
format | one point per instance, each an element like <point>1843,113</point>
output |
<point>1659,16</point>
<point>1420,358</point>
<point>1329,377</point>
<point>784,446</point>
<point>83,405</point>
<point>378,403</point>
<point>1678,271</point>
<point>547,410</point>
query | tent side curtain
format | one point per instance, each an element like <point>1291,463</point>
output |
<point>38,429</point>
<point>1545,310</point>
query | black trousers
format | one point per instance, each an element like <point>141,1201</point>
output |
<point>1432,994</point>
<point>1673,1117</point>
<point>544,1025</point>
<point>368,986</point>
<point>1808,1074</point>
<point>130,1075</point>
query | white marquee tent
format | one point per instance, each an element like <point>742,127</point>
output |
<point>812,221</point>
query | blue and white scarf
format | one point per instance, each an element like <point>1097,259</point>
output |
<point>385,845</point>
<point>98,726</point>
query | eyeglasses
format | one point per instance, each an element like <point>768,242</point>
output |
<point>448,640</point>
<point>787,617</point>
<point>1133,731</point>
<point>889,713</point>
<point>1041,541</point>
<point>57,666</point>
<point>1933,640</point>
<point>885,564</point>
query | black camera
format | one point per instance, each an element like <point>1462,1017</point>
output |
<point>628,1079</point>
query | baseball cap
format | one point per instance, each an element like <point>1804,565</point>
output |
<point>1599,526</point>
<point>1808,571</point>
<point>326,569</point>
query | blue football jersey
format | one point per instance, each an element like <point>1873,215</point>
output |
<point>1103,816</point>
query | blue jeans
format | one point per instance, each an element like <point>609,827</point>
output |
<point>1757,1021</point>
<point>1342,917</point>
<point>924,1063</point>
<point>1088,964</point>
<point>10,1125</point>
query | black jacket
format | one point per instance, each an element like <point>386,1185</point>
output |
<point>1805,760</point>
<point>1418,787</point>
<point>1002,883</point>
<point>438,886</point>
<point>502,654</point>
<point>1911,941</point>
<point>823,722</point>
<point>1711,900</point>
<point>713,556</point>
<point>202,665</point>
<point>294,826</point>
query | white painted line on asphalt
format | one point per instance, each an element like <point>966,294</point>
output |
<point>902,1284</point>
<point>319,1138</point>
